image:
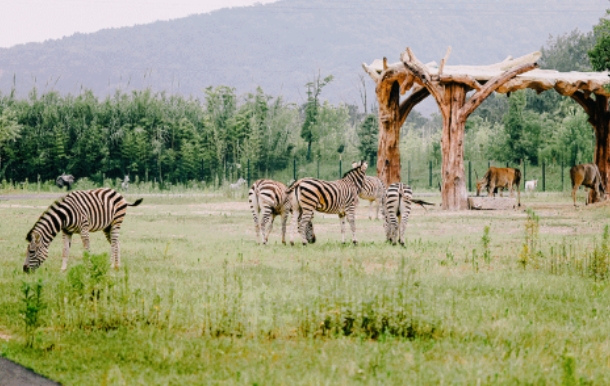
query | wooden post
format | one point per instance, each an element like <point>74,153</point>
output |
<point>294,169</point>
<point>470,176</point>
<point>543,178</point>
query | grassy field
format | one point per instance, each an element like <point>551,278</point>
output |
<point>197,301</point>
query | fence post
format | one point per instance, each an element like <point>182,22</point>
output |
<point>340,168</point>
<point>318,168</point>
<point>294,169</point>
<point>488,164</point>
<point>409,172</point>
<point>524,176</point>
<point>248,178</point>
<point>562,173</point>
<point>470,176</point>
<point>543,177</point>
<point>430,174</point>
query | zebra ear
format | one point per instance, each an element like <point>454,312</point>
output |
<point>36,238</point>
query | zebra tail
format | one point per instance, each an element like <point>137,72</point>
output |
<point>421,202</point>
<point>138,202</point>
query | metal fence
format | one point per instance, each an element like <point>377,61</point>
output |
<point>420,175</point>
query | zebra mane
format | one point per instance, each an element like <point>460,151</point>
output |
<point>28,237</point>
<point>352,170</point>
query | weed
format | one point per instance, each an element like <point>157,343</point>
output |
<point>33,305</point>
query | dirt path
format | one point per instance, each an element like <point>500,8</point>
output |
<point>13,374</point>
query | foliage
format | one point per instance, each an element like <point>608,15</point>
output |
<point>367,134</point>
<point>33,305</point>
<point>310,130</point>
<point>600,53</point>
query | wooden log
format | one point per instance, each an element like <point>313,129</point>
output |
<point>492,203</point>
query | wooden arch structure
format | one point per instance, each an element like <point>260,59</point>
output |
<point>449,86</point>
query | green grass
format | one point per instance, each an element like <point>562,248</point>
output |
<point>197,301</point>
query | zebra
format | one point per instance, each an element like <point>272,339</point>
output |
<point>238,184</point>
<point>268,199</point>
<point>125,183</point>
<point>396,210</point>
<point>80,211</point>
<point>338,197</point>
<point>373,191</point>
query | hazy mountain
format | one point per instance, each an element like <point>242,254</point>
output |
<point>281,46</point>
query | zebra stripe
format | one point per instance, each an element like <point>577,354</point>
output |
<point>396,209</point>
<point>81,211</point>
<point>336,197</point>
<point>372,191</point>
<point>268,199</point>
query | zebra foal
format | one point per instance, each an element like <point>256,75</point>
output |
<point>336,197</point>
<point>396,210</point>
<point>372,191</point>
<point>81,211</point>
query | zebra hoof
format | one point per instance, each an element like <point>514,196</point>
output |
<point>292,243</point>
<point>355,242</point>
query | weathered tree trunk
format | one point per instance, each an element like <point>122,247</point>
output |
<point>390,84</point>
<point>602,140</point>
<point>599,117</point>
<point>388,153</point>
<point>453,188</point>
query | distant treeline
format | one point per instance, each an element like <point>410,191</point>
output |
<point>158,136</point>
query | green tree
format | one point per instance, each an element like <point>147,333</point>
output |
<point>309,130</point>
<point>367,134</point>
<point>9,130</point>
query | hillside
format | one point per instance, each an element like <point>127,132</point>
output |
<point>281,46</point>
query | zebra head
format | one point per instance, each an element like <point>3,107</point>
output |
<point>36,252</point>
<point>357,174</point>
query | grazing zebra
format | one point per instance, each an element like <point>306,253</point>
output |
<point>372,190</point>
<point>81,211</point>
<point>268,199</point>
<point>338,197</point>
<point>396,210</point>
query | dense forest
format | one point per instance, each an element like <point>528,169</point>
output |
<point>155,135</point>
<point>280,46</point>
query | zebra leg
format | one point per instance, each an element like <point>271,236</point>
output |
<point>351,217</point>
<point>401,231</point>
<point>265,214</point>
<point>370,210</point>
<point>257,228</point>
<point>342,221</point>
<point>376,209</point>
<point>66,251</point>
<point>84,235</point>
<point>270,219</point>
<point>284,217</point>
<point>304,218</point>
<point>112,235</point>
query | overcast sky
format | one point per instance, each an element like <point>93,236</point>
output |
<point>24,21</point>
